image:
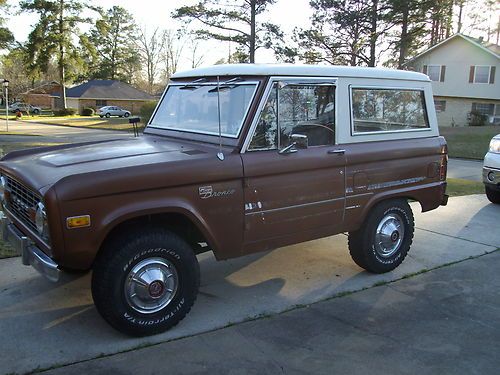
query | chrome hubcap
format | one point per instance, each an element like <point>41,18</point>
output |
<point>151,285</point>
<point>389,235</point>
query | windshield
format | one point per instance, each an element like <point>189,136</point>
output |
<point>193,108</point>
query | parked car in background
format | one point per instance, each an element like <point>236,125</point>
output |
<point>111,110</point>
<point>23,107</point>
<point>491,171</point>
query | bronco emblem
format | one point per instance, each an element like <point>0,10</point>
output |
<point>207,192</point>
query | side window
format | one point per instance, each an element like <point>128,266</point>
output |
<point>307,109</point>
<point>376,110</point>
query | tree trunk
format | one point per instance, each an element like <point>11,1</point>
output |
<point>252,31</point>
<point>373,33</point>
<point>403,47</point>
<point>449,19</point>
<point>62,77</point>
<point>461,8</point>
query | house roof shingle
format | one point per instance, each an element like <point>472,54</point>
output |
<point>107,89</point>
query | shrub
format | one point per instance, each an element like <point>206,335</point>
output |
<point>88,111</point>
<point>65,112</point>
<point>477,118</point>
<point>147,110</point>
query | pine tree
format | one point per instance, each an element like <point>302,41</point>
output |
<point>233,21</point>
<point>54,35</point>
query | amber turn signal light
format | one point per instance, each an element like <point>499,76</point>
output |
<point>78,221</point>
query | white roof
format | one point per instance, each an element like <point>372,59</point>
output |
<point>300,70</point>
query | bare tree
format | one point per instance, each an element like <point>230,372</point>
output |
<point>196,58</point>
<point>152,47</point>
<point>172,52</point>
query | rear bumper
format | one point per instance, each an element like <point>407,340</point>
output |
<point>31,254</point>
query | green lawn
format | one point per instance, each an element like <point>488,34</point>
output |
<point>94,122</point>
<point>6,251</point>
<point>458,186</point>
<point>469,142</point>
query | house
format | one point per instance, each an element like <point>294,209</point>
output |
<point>45,95</point>
<point>98,93</point>
<point>464,73</point>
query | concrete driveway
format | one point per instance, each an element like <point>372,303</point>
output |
<point>45,325</point>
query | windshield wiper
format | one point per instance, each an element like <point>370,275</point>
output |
<point>230,84</point>
<point>193,85</point>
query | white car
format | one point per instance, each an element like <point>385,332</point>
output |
<point>491,171</point>
<point>111,110</point>
<point>23,107</point>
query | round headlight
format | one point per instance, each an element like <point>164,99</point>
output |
<point>41,219</point>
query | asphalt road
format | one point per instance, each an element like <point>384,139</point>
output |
<point>47,326</point>
<point>442,322</point>
<point>30,132</point>
<point>465,169</point>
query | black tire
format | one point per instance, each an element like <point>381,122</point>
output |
<point>110,280</point>
<point>36,112</point>
<point>127,114</point>
<point>493,195</point>
<point>377,258</point>
<point>108,115</point>
<point>101,116</point>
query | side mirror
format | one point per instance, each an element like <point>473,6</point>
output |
<point>297,141</point>
<point>300,140</point>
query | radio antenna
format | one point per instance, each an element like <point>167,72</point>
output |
<point>220,155</point>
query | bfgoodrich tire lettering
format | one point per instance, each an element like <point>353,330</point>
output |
<point>141,249</point>
<point>384,239</point>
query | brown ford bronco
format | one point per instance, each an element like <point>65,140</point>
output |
<point>235,159</point>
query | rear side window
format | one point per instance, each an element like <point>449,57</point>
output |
<point>388,110</point>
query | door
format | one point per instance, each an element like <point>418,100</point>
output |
<point>294,172</point>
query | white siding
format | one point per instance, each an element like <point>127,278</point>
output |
<point>457,109</point>
<point>458,55</point>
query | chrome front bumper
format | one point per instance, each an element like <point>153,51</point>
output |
<point>491,176</point>
<point>31,255</point>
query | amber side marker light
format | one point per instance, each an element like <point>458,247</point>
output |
<point>78,221</point>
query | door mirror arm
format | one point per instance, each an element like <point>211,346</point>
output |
<point>290,149</point>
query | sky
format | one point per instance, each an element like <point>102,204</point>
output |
<point>156,13</point>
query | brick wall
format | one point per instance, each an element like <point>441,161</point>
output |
<point>38,100</point>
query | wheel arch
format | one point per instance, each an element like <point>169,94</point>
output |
<point>185,223</point>
<point>420,195</point>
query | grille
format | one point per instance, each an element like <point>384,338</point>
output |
<point>22,202</point>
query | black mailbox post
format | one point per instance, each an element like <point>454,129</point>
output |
<point>134,121</point>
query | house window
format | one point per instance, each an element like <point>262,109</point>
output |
<point>101,103</point>
<point>482,74</point>
<point>434,72</point>
<point>440,105</point>
<point>484,108</point>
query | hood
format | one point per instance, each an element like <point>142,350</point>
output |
<point>43,167</point>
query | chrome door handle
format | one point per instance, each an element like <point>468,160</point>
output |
<point>338,152</point>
